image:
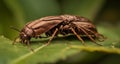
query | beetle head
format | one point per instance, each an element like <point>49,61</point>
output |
<point>24,37</point>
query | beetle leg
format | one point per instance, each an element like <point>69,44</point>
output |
<point>99,36</point>
<point>61,30</point>
<point>53,35</point>
<point>28,44</point>
<point>89,35</point>
<point>78,36</point>
<point>15,40</point>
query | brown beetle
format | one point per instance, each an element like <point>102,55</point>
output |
<point>63,24</point>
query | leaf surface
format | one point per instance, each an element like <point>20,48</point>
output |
<point>60,49</point>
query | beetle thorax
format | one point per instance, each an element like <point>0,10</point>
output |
<point>28,31</point>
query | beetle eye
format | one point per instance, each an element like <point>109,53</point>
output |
<point>23,35</point>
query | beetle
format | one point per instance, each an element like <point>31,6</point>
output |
<point>63,24</point>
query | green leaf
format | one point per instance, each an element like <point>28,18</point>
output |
<point>18,54</point>
<point>62,49</point>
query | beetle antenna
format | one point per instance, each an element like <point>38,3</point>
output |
<point>16,40</point>
<point>14,28</point>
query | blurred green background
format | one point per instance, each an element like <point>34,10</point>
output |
<point>17,13</point>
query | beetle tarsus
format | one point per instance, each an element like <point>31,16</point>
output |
<point>91,38</point>
<point>28,44</point>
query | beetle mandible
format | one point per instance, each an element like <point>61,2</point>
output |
<point>63,24</point>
